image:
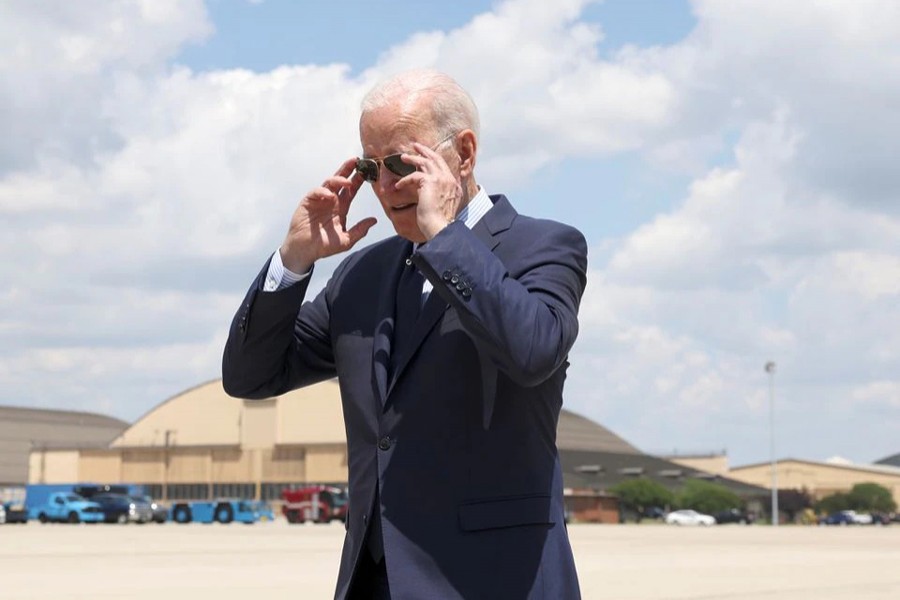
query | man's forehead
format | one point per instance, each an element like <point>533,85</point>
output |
<point>392,132</point>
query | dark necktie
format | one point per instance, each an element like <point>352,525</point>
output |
<point>406,312</point>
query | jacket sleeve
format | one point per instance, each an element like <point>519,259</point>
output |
<point>525,317</point>
<point>277,342</point>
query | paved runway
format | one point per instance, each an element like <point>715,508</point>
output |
<point>276,560</point>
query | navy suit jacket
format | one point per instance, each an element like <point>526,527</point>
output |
<point>460,436</point>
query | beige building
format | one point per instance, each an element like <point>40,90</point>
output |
<point>25,429</point>
<point>203,443</point>
<point>819,478</point>
<point>715,463</point>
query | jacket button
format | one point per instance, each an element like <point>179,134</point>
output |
<point>446,275</point>
<point>454,279</point>
<point>467,293</point>
<point>384,443</point>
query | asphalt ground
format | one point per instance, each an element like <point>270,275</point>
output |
<point>275,560</point>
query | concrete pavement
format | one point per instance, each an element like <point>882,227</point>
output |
<point>276,560</point>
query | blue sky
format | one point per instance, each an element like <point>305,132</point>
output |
<point>730,164</point>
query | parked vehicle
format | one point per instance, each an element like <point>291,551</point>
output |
<point>689,517</point>
<point>160,512</point>
<point>734,515</point>
<point>860,518</point>
<point>36,495</point>
<point>69,508</point>
<point>316,503</point>
<point>653,512</point>
<point>222,511</point>
<point>123,509</point>
<point>843,517</point>
<point>877,519</point>
<point>89,490</point>
<point>13,513</point>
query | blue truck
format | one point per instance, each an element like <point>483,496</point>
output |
<point>37,495</point>
<point>68,507</point>
<point>221,511</point>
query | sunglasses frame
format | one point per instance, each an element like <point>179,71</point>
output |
<point>370,168</point>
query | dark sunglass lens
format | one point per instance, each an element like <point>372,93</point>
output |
<point>397,166</point>
<point>368,169</point>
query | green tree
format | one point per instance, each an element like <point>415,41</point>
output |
<point>639,494</point>
<point>833,503</point>
<point>871,497</point>
<point>707,497</point>
<point>794,501</point>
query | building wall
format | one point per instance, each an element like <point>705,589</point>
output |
<point>715,464</point>
<point>25,429</point>
<point>197,468</point>
<point>142,465</point>
<point>285,463</point>
<point>312,415</point>
<point>326,462</point>
<point>202,416</point>
<point>819,479</point>
<point>203,443</point>
<point>591,507</point>
<point>53,466</point>
<point>100,466</point>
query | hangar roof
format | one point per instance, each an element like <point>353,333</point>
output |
<point>890,461</point>
<point>22,429</point>
<point>601,470</point>
<point>575,432</point>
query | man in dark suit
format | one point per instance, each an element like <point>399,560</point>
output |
<point>450,344</point>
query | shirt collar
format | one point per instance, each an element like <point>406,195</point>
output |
<point>471,212</point>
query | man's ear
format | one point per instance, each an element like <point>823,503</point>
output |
<point>467,148</point>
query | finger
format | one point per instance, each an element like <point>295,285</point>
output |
<point>321,194</point>
<point>347,194</point>
<point>359,231</point>
<point>413,180</point>
<point>346,167</point>
<point>343,177</point>
<point>426,159</point>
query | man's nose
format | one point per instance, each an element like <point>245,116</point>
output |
<point>386,179</point>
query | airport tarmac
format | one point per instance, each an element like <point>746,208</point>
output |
<point>275,560</point>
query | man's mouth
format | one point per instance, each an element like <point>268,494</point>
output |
<point>402,207</point>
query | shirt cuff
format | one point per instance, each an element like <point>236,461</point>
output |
<point>279,277</point>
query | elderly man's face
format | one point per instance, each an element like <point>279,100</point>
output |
<point>388,131</point>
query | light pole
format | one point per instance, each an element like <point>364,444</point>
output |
<point>770,369</point>
<point>165,486</point>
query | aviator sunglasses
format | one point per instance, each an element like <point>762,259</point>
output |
<point>370,167</point>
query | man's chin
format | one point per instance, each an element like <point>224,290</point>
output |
<point>410,233</point>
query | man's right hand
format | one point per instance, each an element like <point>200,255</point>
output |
<point>319,225</point>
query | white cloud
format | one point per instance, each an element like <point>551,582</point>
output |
<point>139,197</point>
<point>881,392</point>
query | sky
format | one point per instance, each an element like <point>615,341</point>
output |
<point>731,164</point>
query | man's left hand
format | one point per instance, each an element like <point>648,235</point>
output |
<point>439,190</point>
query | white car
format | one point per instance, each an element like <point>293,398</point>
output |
<point>858,518</point>
<point>689,517</point>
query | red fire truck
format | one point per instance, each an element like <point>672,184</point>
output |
<point>316,503</point>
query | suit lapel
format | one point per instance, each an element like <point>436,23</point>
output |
<point>384,329</point>
<point>489,231</point>
<point>430,315</point>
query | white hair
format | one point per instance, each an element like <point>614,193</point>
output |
<point>452,108</point>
